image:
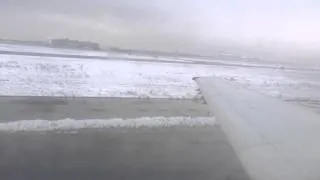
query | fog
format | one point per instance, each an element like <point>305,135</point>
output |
<point>202,26</point>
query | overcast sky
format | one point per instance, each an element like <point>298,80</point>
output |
<point>164,24</point>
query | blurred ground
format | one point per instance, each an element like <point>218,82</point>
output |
<point>177,153</point>
<point>114,153</point>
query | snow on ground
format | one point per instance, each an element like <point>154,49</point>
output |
<point>111,54</point>
<point>50,50</point>
<point>71,124</point>
<point>45,76</point>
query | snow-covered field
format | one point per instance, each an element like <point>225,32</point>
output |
<point>45,76</point>
<point>107,54</point>
<point>125,56</point>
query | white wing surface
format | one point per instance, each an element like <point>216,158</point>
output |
<point>273,139</point>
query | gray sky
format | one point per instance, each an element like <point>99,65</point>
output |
<point>183,25</point>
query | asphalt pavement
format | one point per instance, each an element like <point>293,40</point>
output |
<point>158,153</point>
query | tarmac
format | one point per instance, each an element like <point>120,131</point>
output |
<point>158,153</point>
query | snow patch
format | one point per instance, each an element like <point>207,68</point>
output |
<point>71,124</point>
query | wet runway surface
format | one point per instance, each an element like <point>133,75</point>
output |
<point>159,153</point>
<point>55,108</point>
<point>144,153</point>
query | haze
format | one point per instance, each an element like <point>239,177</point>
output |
<point>201,26</point>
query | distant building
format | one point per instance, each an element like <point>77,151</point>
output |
<point>74,44</point>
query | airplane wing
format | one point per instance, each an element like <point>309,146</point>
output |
<point>274,140</point>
